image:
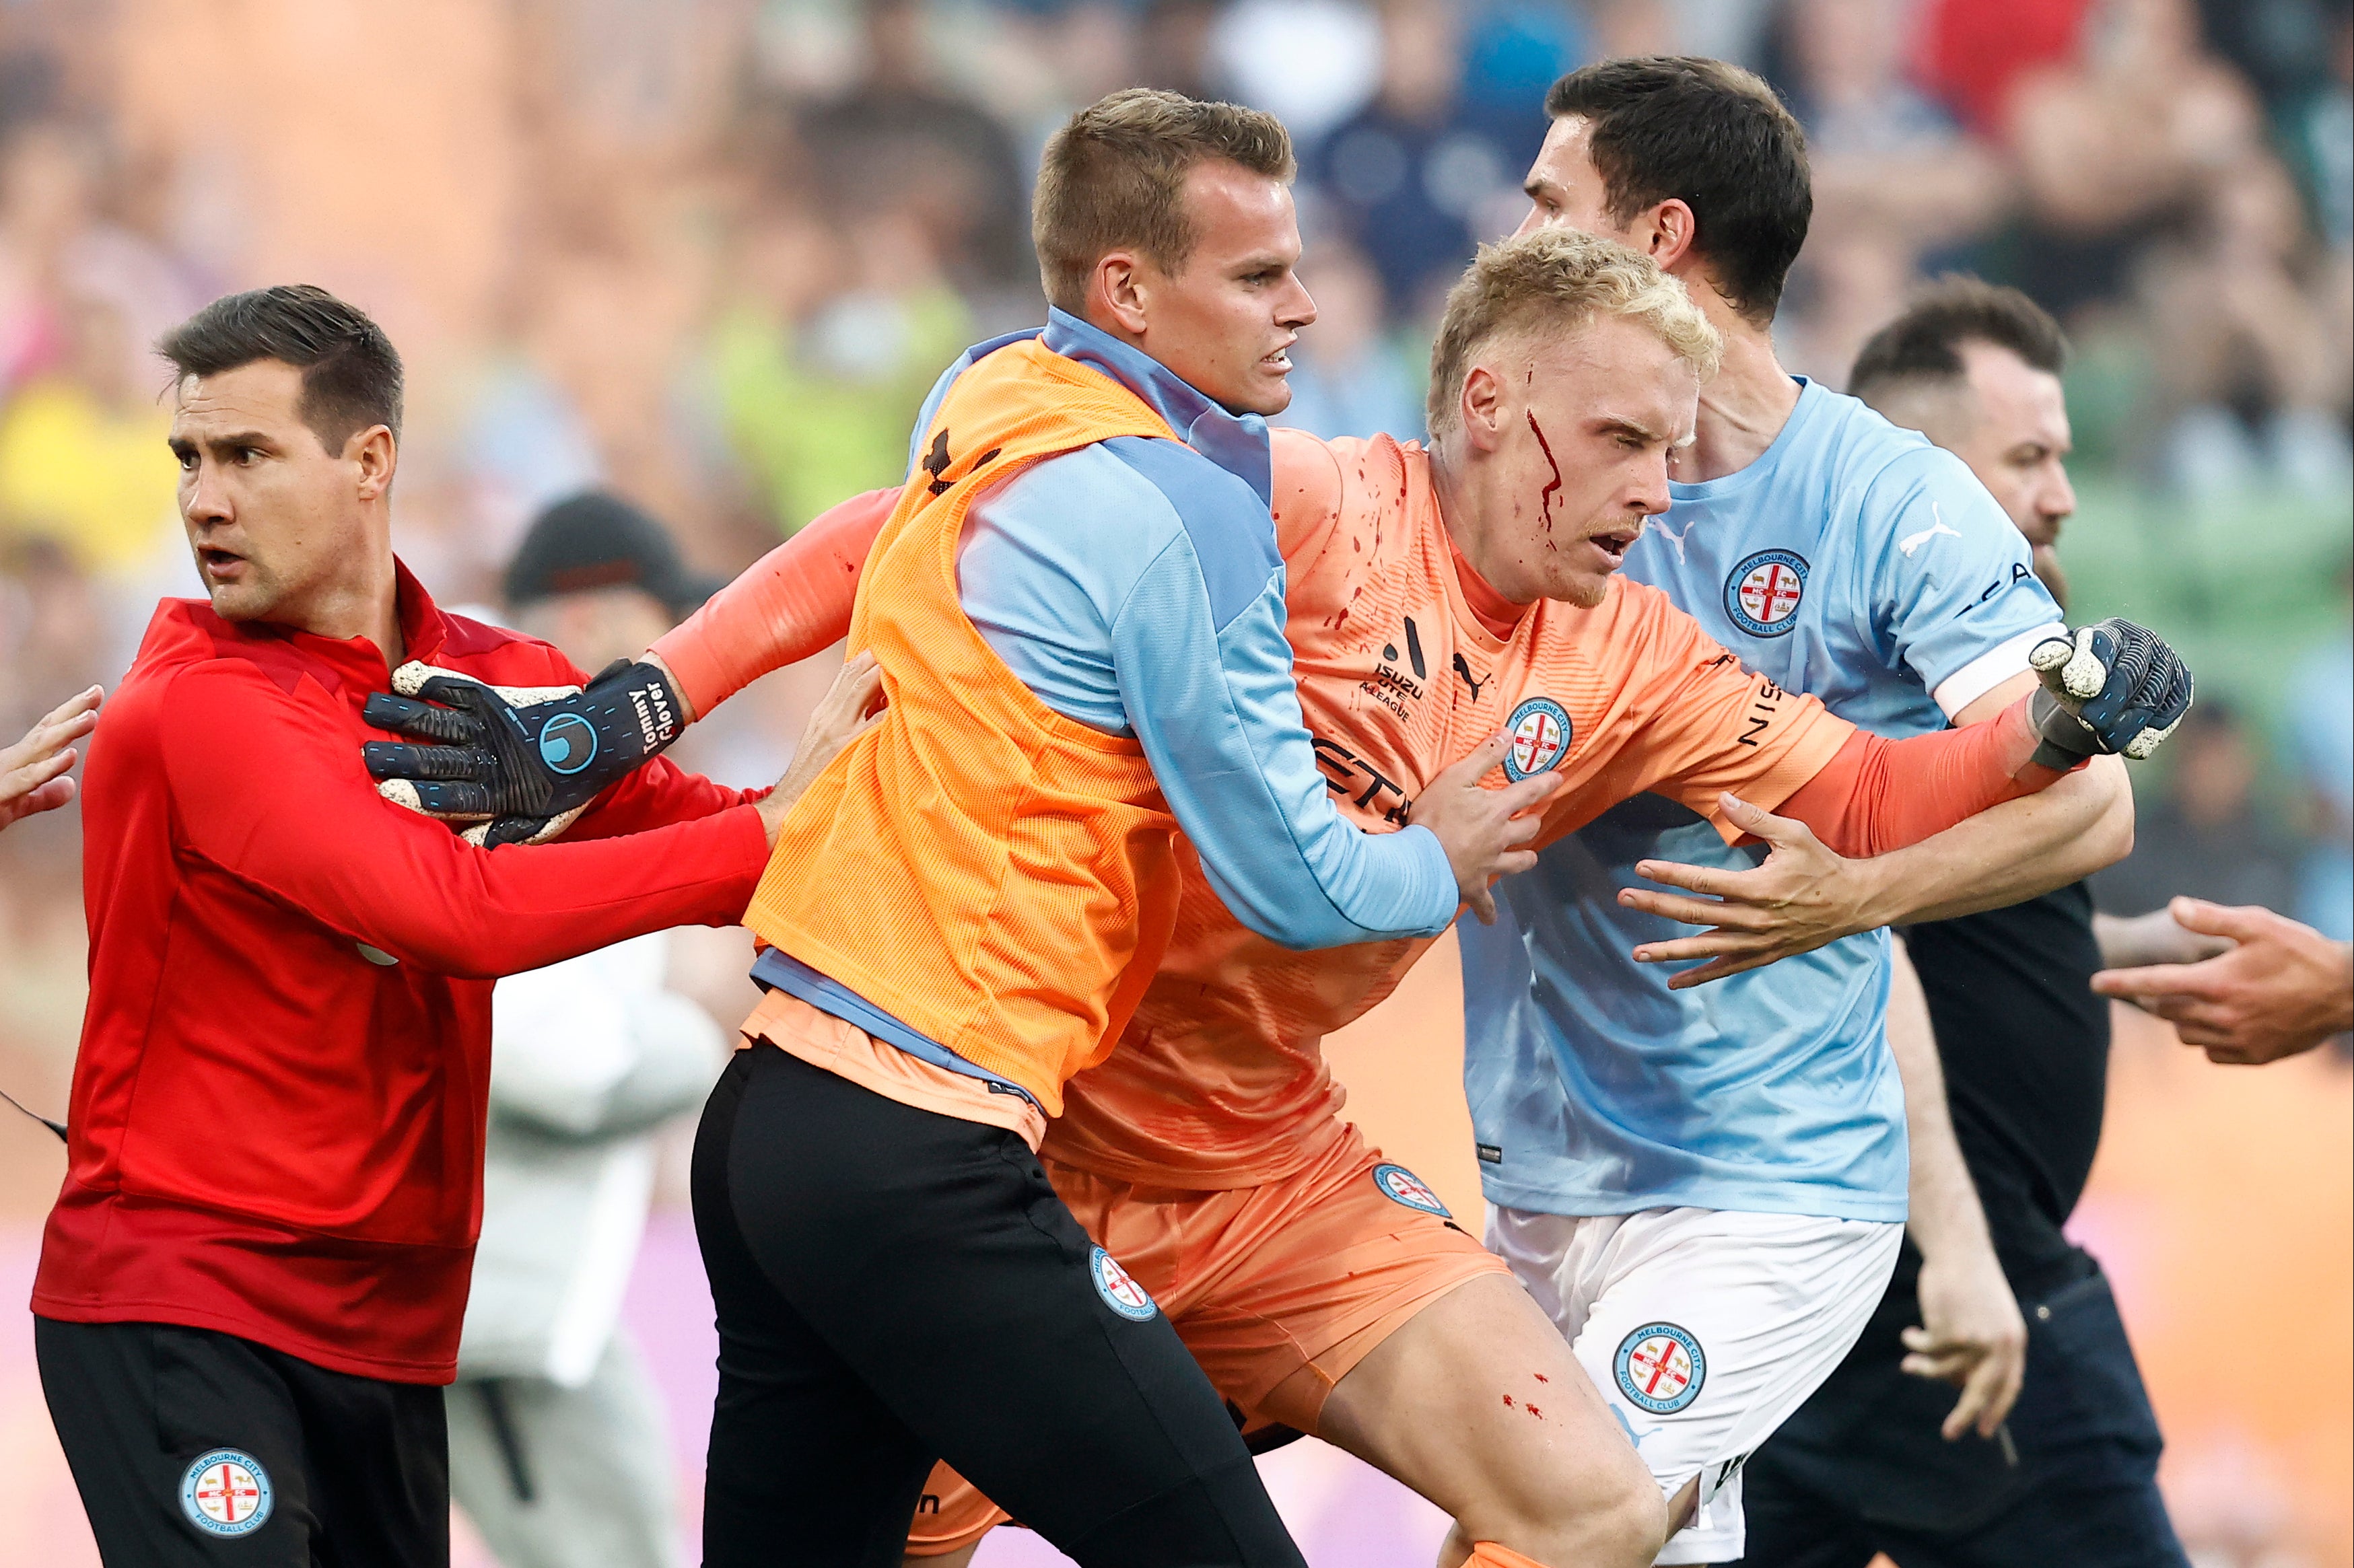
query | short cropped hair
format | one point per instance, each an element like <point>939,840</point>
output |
<point>1924,345</point>
<point>1712,136</point>
<point>351,373</point>
<point>1114,176</point>
<point>1557,280</point>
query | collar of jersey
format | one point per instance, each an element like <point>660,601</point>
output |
<point>1810,396</point>
<point>1236,442</point>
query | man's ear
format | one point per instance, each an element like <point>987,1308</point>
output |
<point>1666,233</point>
<point>376,453</point>
<point>1481,408</point>
<point>1119,294</point>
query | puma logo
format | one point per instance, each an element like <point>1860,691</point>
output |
<point>1464,670</point>
<point>1659,525</point>
<point>1912,542</point>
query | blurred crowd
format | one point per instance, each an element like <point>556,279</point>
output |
<point>733,242</point>
<point>710,255</point>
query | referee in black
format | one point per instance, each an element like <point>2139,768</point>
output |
<point>2072,1478</point>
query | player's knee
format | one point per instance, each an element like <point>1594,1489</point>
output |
<point>1630,1521</point>
<point>1613,1515</point>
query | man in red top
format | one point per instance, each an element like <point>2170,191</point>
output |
<point>251,1286</point>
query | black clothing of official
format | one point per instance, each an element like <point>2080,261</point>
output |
<point>1862,1468</point>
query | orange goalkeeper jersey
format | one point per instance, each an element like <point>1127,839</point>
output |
<point>1220,1079</point>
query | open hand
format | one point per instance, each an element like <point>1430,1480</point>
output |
<point>33,771</point>
<point>2282,988</point>
<point>1484,831</point>
<point>1971,1334</point>
<point>1801,898</point>
<point>851,706</point>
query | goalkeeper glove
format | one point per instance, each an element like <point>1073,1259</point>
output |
<point>2110,688</point>
<point>519,763</point>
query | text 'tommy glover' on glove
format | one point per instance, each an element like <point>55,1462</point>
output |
<point>519,763</point>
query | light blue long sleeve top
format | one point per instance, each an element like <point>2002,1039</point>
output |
<point>1135,587</point>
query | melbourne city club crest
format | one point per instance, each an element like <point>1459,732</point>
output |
<point>1661,1368</point>
<point>1400,1185</point>
<point>1540,732</point>
<point>1118,1288</point>
<point>1761,595</point>
<point>226,1493</point>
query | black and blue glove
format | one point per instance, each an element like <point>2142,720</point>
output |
<point>518,763</point>
<point>2109,689</point>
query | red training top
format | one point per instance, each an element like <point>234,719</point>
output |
<point>278,1108</point>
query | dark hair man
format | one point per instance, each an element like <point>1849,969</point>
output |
<point>251,1287</point>
<point>1977,369</point>
<point>1874,1462</point>
<point>1678,1168</point>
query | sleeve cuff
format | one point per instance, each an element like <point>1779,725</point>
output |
<point>1989,670</point>
<point>1436,899</point>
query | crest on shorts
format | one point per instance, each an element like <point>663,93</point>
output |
<point>1400,1185</point>
<point>1763,593</point>
<point>1540,730</point>
<point>1661,1368</point>
<point>1118,1288</point>
<point>226,1492</point>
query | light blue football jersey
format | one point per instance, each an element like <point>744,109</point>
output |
<point>1858,562</point>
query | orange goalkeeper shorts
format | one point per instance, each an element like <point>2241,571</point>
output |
<point>1311,1271</point>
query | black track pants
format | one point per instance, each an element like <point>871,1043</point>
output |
<point>896,1286</point>
<point>199,1450</point>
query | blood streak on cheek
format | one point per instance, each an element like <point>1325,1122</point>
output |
<point>1547,496</point>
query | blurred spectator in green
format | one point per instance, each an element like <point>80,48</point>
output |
<point>1348,376</point>
<point>2203,836</point>
<point>820,361</point>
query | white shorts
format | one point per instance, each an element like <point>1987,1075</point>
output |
<point>1703,1329</point>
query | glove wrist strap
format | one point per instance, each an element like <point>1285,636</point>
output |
<point>2063,739</point>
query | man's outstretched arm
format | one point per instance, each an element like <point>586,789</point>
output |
<point>792,602</point>
<point>2282,988</point>
<point>1837,837</point>
<point>524,764</point>
<point>261,791</point>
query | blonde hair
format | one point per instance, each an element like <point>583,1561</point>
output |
<point>1114,176</point>
<point>1554,281</point>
